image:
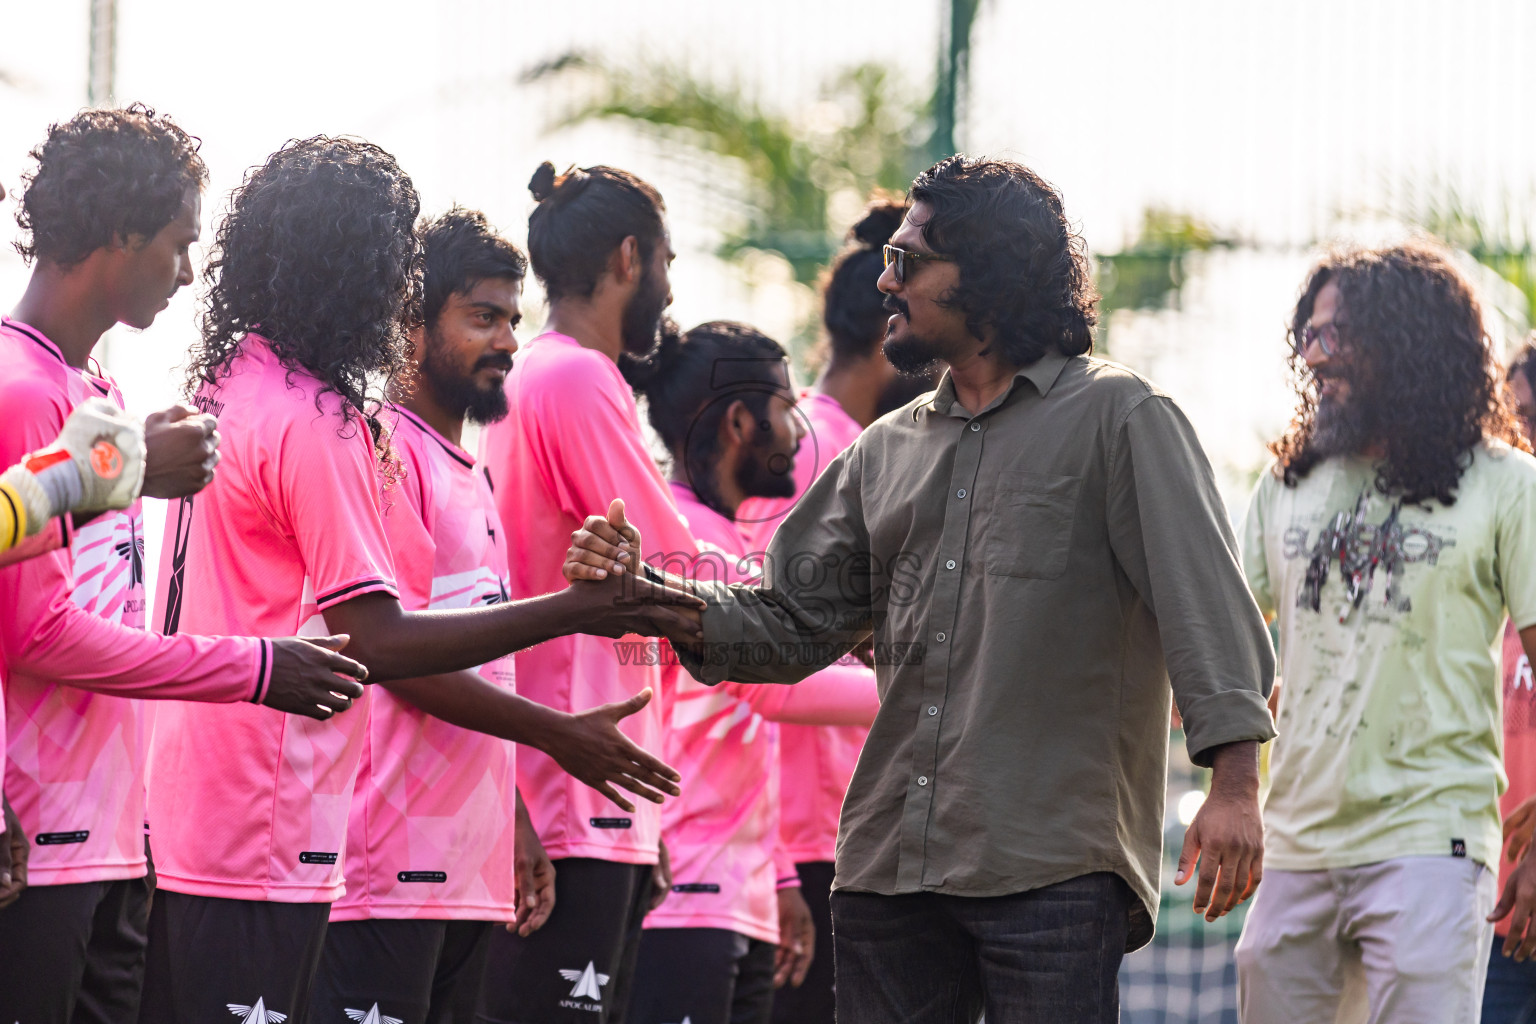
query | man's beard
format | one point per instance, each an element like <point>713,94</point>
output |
<point>767,474</point>
<point>457,392</point>
<point>641,328</point>
<point>912,355</point>
<point>1343,425</point>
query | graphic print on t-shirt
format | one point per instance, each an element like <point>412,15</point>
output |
<point>1362,551</point>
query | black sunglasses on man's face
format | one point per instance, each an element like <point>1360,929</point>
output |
<point>900,258</point>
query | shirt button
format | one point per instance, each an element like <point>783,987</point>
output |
<point>933,710</point>
<point>940,638</point>
<point>949,564</point>
<point>975,426</point>
<point>922,780</point>
<point>960,493</point>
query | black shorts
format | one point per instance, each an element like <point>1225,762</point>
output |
<point>704,976</point>
<point>214,959</point>
<point>579,967</point>
<point>74,954</point>
<point>419,971</point>
<point>811,1003</point>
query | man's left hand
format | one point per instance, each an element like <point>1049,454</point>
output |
<point>1226,839</point>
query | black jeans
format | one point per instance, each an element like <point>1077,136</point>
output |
<point>1048,956</point>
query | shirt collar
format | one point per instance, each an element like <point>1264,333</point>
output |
<point>1042,373</point>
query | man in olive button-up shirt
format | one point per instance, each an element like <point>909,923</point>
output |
<point>1036,549</point>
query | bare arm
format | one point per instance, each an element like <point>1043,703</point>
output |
<point>396,644</point>
<point>587,745</point>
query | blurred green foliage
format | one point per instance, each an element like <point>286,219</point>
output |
<point>865,132</point>
<point>1149,271</point>
<point>1499,238</point>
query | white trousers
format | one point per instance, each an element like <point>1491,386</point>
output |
<point>1402,941</point>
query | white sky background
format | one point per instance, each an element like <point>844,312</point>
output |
<point>1268,119</point>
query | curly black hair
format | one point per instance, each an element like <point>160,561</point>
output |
<point>105,174</point>
<point>318,254</point>
<point>852,308</point>
<point>461,249</point>
<point>1024,270</point>
<point>1420,360</point>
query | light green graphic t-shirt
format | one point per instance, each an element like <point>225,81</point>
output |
<point>1390,620</point>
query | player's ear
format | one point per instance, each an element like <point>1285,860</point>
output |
<point>417,337</point>
<point>739,425</point>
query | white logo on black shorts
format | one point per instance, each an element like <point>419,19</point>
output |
<point>589,982</point>
<point>372,1016</point>
<point>258,1014</point>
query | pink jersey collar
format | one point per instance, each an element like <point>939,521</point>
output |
<point>459,454</point>
<point>95,374</point>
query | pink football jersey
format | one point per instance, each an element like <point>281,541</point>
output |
<point>816,762</point>
<point>570,444</point>
<point>247,802</point>
<point>74,641</point>
<point>433,814</point>
<point>724,740</point>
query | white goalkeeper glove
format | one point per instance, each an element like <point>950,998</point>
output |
<point>97,463</point>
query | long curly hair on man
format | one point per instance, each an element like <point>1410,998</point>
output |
<point>1420,360</point>
<point>318,254</point>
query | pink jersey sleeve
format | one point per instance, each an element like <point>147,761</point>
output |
<point>48,635</point>
<point>837,695</point>
<point>45,634</point>
<point>338,572</point>
<point>49,538</point>
<point>787,877</point>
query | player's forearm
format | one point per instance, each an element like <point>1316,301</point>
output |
<point>397,644</point>
<point>469,701</point>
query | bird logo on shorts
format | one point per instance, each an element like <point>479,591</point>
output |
<point>372,1016</point>
<point>258,1014</point>
<point>588,982</point>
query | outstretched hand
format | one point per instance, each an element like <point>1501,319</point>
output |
<point>592,749</point>
<point>309,678</point>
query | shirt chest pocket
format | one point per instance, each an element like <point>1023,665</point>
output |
<point>1029,525</point>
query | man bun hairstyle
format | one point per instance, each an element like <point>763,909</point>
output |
<point>460,249</point>
<point>1024,270</point>
<point>853,308</point>
<point>103,175</point>
<point>692,379</point>
<point>582,216</point>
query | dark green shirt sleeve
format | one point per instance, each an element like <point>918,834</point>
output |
<point>1169,532</point>
<point>814,604</point>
